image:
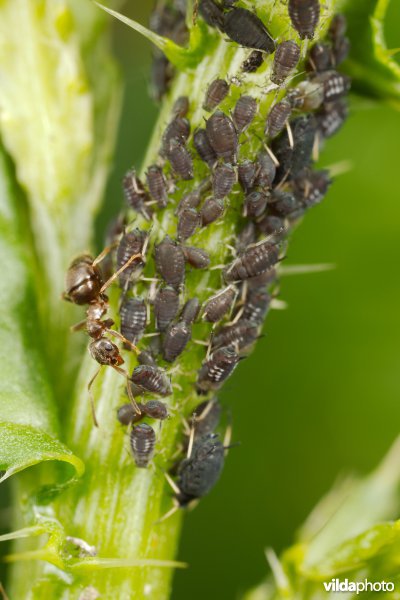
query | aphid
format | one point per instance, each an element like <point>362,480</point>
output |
<point>166,306</point>
<point>143,441</point>
<point>222,136</point>
<point>256,306</point>
<point>240,335</point>
<point>83,280</point>
<point>262,280</point>
<point>277,118</point>
<point>255,204</point>
<point>211,210</point>
<point>331,117</point>
<point>311,93</point>
<point>216,92</point>
<point>161,75</point>
<point>255,260</point>
<point>266,170</point>
<point>338,27</point>
<point>180,158</point>
<point>320,57</point>
<point>217,368</point>
<point>196,257</point>
<point>304,15</point>
<point>188,221</point>
<point>155,409</point>
<point>126,414</point>
<point>212,13</point>
<point>170,262</point>
<point>244,112</point>
<point>341,49</point>
<point>246,29</point>
<point>198,474</point>
<point>190,311</point>
<point>246,236</point>
<point>157,185</point>
<point>133,314</point>
<point>247,173</point>
<point>146,358</point>
<point>178,129</point>
<point>295,98</point>
<point>203,147</point>
<point>176,339</point>
<point>223,179</point>
<point>286,58</point>
<point>206,417</point>
<point>271,224</point>
<point>130,244</point>
<point>151,379</point>
<point>190,200</point>
<point>335,85</point>
<point>293,158</point>
<point>312,187</point>
<point>181,107</point>
<point>253,62</point>
<point>216,307</point>
<point>285,204</point>
<point>135,194</point>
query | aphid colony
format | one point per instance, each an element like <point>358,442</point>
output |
<point>271,190</point>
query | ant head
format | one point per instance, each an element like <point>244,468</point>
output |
<point>105,352</point>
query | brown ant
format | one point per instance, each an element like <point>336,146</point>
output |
<point>85,285</point>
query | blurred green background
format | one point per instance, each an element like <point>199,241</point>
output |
<point>321,394</point>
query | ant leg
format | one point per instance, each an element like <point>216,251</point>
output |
<point>95,421</point>
<point>123,338</point>
<point>118,273</point>
<point>78,326</point>
<point>132,397</point>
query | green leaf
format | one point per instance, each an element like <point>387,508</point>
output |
<point>371,66</point>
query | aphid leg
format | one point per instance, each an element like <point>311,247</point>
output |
<point>186,426</point>
<point>119,271</point>
<point>172,484</point>
<point>190,443</point>
<point>204,413</point>
<point>168,514</point>
<point>200,342</point>
<point>290,134</point>
<point>92,407</point>
<point>123,339</point>
<point>272,155</point>
<point>315,149</point>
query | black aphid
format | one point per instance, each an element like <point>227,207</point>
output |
<point>175,340</point>
<point>253,62</point>
<point>256,306</point>
<point>217,368</point>
<point>246,29</point>
<point>198,474</point>
<point>255,260</point>
<point>180,158</point>
<point>155,409</point>
<point>286,57</point>
<point>166,306</point>
<point>206,417</point>
<point>151,379</point>
<point>277,118</point>
<point>331,117</point>
<point>222,136</point>
<point>293,159</point>
<point>216,307</point>
<point>223,179</point>
<point>157,185</point>
<point>240,335</point>
<point>130,244</point>
<point>190,311</point>
<point>135,194</point>
<point>170,262</point>
<point>178,129</point>
<point>320,57</point>
<point>181,107</point>
<point>262,280</point>
<point>247,174</point>
<point>133,313</point>
<point>203,147</point>
<point>145,357</point>
<point>212,13</point>
<point>285,204</point>
<point>304,15</point>
<point>196,257</point>
<point>255,204</point>
<point>190,200</point>
<point>271,224</point>
<point>211,210</point>
<point>216,92</point>
<point>266,170</point>
<point>188,221</point>
<point>143,441</point>
<point>126,414</point>
<point>311,187</point>
<point>244,112</point>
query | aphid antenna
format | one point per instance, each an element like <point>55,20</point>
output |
<point>200,342</point>
<point>339,168</point>
<point>272,155</point>
<point>305,269</point>
<point>119,271</point>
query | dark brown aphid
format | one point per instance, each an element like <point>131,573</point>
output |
<point>204,148</point>
<point>161,75</point>
<point>166,306</point>
<point>170,262</point>
<point>262,280</point>
<point>151,379</point>
<point>135,194</point>
<point>212,13</point>
<point>133,314</point>
<point>143,441</point>
<point>191,310</point>
<point>266,170</point>
<point>341,49</point>
<point>247,174</point>
<point>155,409</point>
<point>246,29</point>
<point>130,244</point>
<point>83,281</point>
<point>222,136</point>
<point>331,117</point>
<point>285,204</point>
<point>196,257</point>
<point>181,107</point>
<point>211,210</point>
<point>206,417</point>
<point>255,204</point>
<point>188,221</point>
<point>320,58</point>
<point>335,85</point>
<point>240,335</point>
<point>216,307</point>
<point>304,15</point>
<point>217,368</point>
<point>216,92</point>
<point>126,414</point>
<point>271,224</point>
<point>145,357</point>
<point>223,179</point>
<point>256,306</point>
<point>277,118</point>
<point>190,200</point>
<point>294,158</point>
<point>253,62</point>
<point>176,339</point>
<point>246,236</point>
<point>157,185</point>
<point>255,260</point>
<point>286,57</point>
<point>180,159</point>
<point>244,112</point>
<point>178,129</point>
<point>311,187</point>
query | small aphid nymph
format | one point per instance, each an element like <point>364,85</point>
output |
<point>216,92</point>
<point>143,441</point>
